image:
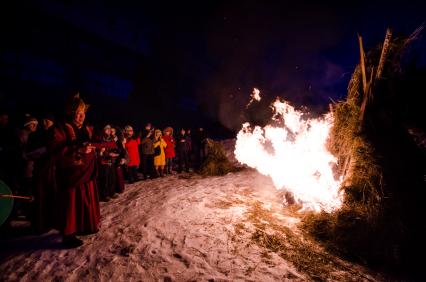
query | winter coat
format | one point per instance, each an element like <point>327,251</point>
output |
<point>160,160</point>
<point>170,149</point>
<point>147,147</point>
<point>182,143</point>
<point>132,145</point>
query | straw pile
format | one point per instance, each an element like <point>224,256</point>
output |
<point>380,222</point>
<point>216,162</point>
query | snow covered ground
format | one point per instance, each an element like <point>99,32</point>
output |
<point>185,228</point>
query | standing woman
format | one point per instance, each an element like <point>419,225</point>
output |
<point>170,149</point>
<point>159,155</point>
<point>107,178</point>
<point>120,141</point>
<point>76,174</point>
<point>132,144</point>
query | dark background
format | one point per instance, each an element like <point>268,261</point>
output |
<point>185,63</point>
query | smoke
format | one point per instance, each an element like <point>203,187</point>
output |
<point>278,50</point>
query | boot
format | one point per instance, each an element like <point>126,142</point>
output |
<point>71,241</point>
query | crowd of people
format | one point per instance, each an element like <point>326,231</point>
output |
<point>67,168</point>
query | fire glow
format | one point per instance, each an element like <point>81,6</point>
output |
<point>294,155</point>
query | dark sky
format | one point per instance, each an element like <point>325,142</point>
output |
<point>190,63</point>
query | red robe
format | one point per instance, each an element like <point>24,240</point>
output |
<point>76,180</point>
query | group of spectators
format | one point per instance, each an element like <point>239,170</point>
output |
<point>154,152</point>
<point>67,168</point>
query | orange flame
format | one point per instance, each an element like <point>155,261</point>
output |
<point>299,161</point>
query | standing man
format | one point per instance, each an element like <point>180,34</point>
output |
<point>45,193</point>
<point>30,127</point>
<point>182,151</point>
<point>76,174</point>
<point>147,152</point>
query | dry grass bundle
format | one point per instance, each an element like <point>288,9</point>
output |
<point>308,258</point>
<point>379,222</point>
<point>216,162</point>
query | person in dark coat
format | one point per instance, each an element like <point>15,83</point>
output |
<point>108,154</point>
<point>76,171</point>
<point>147,152</point>
<point>182,151</point>
<point>26,155</point>
<point>45,193</point>
<point>122,158</point>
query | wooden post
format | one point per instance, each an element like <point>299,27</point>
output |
<point>366,97</point>
<point>364,78</point>
<point>385,50</point>
<point>362,64</point>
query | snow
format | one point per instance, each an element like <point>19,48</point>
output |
<point>176,228</point>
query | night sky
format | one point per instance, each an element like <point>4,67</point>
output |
<point>187,63</point>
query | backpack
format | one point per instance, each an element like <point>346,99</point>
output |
<point>157,151</point>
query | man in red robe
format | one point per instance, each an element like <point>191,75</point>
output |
<point>75,175</point>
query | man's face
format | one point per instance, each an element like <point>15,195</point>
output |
<point>107,131</point>
<point>47,123</point>
<point>79,117</point>
<point>148,127</point>
<point>129,131</point>
<point>32,127</point>
<point>113,131</point>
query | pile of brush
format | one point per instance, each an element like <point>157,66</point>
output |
<point>216,163</point>
<point>383,168</point>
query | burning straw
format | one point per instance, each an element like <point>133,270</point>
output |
<point>382,168</point>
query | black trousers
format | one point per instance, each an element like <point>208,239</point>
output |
<point>147,163</point>
<point>169,165</point>
<point>107,180</point>
<point>183,160</point>
<point>132,173</point>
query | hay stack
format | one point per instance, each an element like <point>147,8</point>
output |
<point>216,162</point>
<point>383,169</point>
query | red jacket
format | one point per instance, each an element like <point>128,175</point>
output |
<point>170,149</point>
<point>133,151</point>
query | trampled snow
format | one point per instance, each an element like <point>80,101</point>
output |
<point>178,228</point>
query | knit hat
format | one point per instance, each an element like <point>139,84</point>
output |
<point>75,104</point>
<point>48,116</point>
<point>168,129</point>
<point>30,120</point>
<point>107,126</point>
